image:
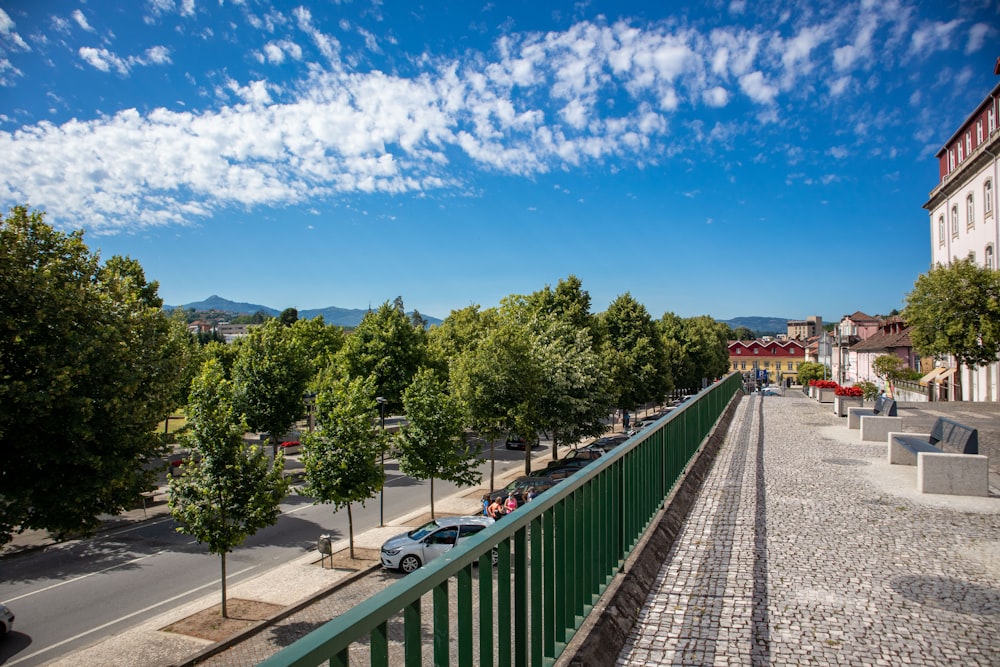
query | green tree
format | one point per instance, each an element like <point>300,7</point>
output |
<point>288,317</point>
<point>387,347</point>
<point>89,366</point>
<point>635,353</point>
<point>318,341</point>
<point>575,393</point>
<point>955,310</point>
<point>704,343</point>
<point>432,444</point>
<point>341,457</point>
<point>462,330</point>
<point>743,333</point>
<point>498,382</point>
<point>227,491</point>
<point>890,369</point>
<point>269,379</point>
<point>810,370</point>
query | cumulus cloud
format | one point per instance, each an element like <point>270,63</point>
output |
<point>81,20</point>
<point>105,60</point>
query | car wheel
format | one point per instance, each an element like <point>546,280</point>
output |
<point>409,563</point>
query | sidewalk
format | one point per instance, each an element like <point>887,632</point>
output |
<point>805,547</point>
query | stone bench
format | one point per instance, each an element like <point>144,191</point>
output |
<point>884,407</point>
<point>947,458</point>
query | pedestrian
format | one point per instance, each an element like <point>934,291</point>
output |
<point>486,504</point>
<point>495,509</point>
<point>529,496</point>
<point>511,503</point>
<point>625,421</point>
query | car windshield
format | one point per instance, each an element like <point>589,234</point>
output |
<point>425,529</point>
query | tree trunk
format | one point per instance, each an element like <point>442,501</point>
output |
<point>350,529</point>
<point>224,610</point>
<point>432,498</point>
<point>493,462</point>
<point>555,446</point>
<point>527,457</point>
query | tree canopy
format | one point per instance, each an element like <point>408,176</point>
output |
<point>432,444</point>
<point>955,310</point>
<point>227,491</point>
<point>89,364</point>
<point>635,353</point>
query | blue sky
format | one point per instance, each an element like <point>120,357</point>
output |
<point>729,158</point>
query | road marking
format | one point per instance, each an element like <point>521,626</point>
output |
<point>124,618</point>
<point>75,579</point>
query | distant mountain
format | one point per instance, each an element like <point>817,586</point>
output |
<point>760,325</point>
<point>343,317</point>
<point>216,302</point>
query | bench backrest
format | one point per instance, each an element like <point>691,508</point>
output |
<point>948,434</point>
<point>885,406</point>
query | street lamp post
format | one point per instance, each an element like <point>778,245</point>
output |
<point>381,494</point>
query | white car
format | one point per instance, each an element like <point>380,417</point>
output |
<point>6,620</point>
<point>409,551</point>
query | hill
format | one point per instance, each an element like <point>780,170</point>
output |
<point>760,325</point>
<point>343,317</point>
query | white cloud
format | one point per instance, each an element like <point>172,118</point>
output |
<point>977,37</point>
<point>105,60</point>
<point>716,97</point>
<point>933,36</point>
<point>9,35</point>
<point>81,20</point>
<point>757,88</point>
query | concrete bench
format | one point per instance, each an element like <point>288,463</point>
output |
<point>947,458</point>
<point>884,407</point>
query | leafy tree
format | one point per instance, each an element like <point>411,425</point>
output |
<point>809,370</point>
<point>227,491</point>
<point>498,382</point>
<point>890,369</point>
<point>575,391</point>
<point>288,317</point>
<point>387,347</point>
<point>341,457</point>
<point>955,310</point>
<point>635,353</point>
<point>705,346</point>
<point>89,366</point>
<point>460,331</point>
<point>432,444</point>
<point>318,341</point>
<point>224,353</point>
<point>269,379</point>
<point>568,301</point>
<point>869,390</point>
<point>743,333</point>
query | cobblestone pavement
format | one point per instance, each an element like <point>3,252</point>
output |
<point>806,547</point>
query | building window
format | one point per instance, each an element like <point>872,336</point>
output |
<point>979,131</point>
<point>989,256</point>
<point>951,160</point>
<point>739,350</point>
<point>970,212</point>
<point>968,143</point>
<point>941,230</point>
<point>961,155</point>
<point>790,366</point>
<point>767,364</point>
<point>992,116</point>
<point>743,365</point>
<point>954,221</point>
<point>988,198</point>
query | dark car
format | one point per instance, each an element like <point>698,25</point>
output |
<point>607,443</point>
<point>515,441</point>
<point>581,454</point>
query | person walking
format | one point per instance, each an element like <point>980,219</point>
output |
<point>511,503</point>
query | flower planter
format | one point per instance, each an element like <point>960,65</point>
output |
<point>841,403</point>
<point>825,394</point>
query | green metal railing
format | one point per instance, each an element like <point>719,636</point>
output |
<point>554,558</point>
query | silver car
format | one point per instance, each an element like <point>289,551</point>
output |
<point>409,551</point>
<point>6,620</point>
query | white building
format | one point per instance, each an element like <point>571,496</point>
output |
<point>963,215</point>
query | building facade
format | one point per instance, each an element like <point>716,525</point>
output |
<point>779,358</point>
<point>805,329</point>
<point>963,217</point>
<point>849,332</point>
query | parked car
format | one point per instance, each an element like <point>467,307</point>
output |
<point>607,443</point>
<point>583,454</point>
<point>515,441</point>
<point>409,551</point>
<point>6,620</point>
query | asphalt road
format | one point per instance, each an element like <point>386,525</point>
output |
<point>73,594</point>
